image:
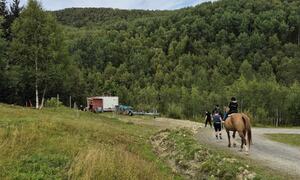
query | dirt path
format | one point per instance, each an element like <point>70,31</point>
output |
<point>269,153</point>
<point>163,123</point>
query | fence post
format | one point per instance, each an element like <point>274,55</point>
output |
<point>57,100</point>
<point>70,102</point>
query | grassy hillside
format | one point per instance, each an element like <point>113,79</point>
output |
<point>63,144</point>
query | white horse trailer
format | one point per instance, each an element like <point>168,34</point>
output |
<point>103,103</point>
<point>110,103</point>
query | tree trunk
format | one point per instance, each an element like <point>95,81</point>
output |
<point>277,118</point>
<point>57,100</point>
<point>299,35</point>
<point>70,101</point>
<point>36,96</point>
<point>43,99</point>
<point>36,85</point>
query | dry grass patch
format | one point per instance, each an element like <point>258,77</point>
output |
<point>105,162</point>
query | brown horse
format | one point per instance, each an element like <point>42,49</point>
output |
<point>239,122</point>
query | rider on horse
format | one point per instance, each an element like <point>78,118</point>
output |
<point>233,107</point>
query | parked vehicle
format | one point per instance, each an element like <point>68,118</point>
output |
<point>128,110</point>
<point>123,109</point>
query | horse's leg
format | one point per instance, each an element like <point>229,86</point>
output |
<point>243,140</point>
<point>245,134</point>
<point>247,145</point>
<point>233,139</point>
<point>228,134</point>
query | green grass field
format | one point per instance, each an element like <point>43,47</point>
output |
<point>291,139</point>
<point>68,144</point>
<point>65,144</point>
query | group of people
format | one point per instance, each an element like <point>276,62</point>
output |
<point>217,116</point>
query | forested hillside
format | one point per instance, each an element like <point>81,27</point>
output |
<point>180,62</point>
<point>80,17</point>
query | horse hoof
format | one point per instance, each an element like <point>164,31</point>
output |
<point>234,145</point>
<point>241,150</point>
<point>229,146</point>
<point>247,153</point>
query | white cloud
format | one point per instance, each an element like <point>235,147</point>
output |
<point>122,4</point>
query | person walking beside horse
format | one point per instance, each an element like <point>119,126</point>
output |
<point>217,110</point>
<point>207,118</point>
<point>217,120</point>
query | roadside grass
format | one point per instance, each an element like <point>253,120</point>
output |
<point>258,167</point>
<point>67,144</point>
<point>272,126</point>
<point>206,162</point>
<point>291,139</point>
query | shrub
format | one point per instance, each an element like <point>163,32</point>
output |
<point>53,102</point>
<point>174,111</point>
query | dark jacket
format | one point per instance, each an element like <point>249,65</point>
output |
<point>233,107</point>
<point>208,116</point>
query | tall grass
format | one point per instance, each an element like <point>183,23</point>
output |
<point>62,144</point>
<point>105,162</point>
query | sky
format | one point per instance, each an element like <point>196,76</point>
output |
<point>121,4</point>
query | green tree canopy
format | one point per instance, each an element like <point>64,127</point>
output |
<point>37,47</point>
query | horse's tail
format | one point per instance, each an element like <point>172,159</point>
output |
<point>246,121</point>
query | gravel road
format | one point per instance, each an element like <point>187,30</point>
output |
<point>275,155</point>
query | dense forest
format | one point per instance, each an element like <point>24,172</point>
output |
<point>81,17</point>
<point>180,62</point>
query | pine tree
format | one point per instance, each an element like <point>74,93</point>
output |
<point>4,15</point>
<point>15,9</point>
<point>3,9</point>
<point>2,61</point>
<point>11,16</point>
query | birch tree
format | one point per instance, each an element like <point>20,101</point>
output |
<point>36,46</point>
